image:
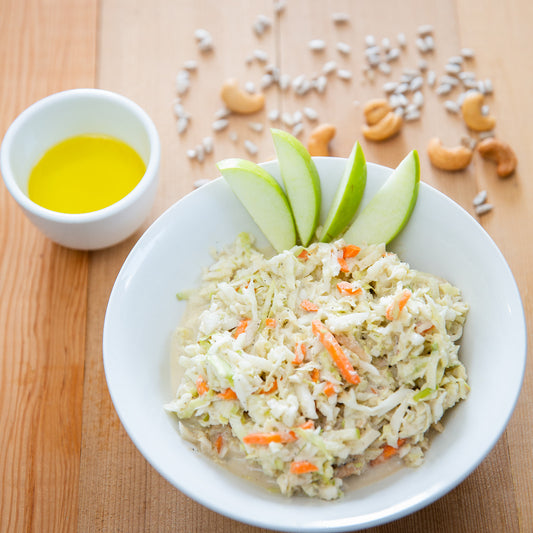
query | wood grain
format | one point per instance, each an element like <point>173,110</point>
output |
<point>43,287</point>
<point>66,463</point>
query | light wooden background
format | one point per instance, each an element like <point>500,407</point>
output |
<point>66,464</point>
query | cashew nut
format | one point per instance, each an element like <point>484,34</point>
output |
<point>388,126</point>
<point>241,101</point>
<point>472,115</point>
<point>318,143</point>
<point>375,110</point>
<point>445,158</point>
<point>499,151</point>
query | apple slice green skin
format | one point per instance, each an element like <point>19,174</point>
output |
<point>347,197</point>
<point>263,198</point>
<point>302,183</point>
<point>389,210</point>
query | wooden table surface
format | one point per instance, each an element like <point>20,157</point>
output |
<point>66,463</point>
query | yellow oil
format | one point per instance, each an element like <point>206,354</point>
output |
<point>85,173</point>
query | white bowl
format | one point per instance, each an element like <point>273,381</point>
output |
<point>440,238</point>
<point>76,112</point>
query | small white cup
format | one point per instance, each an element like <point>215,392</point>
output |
<point>67,114</point>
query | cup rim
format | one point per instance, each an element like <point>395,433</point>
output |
<point>25,202</point>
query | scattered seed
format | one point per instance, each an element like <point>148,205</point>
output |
<point>191,154</point>
<point>182,124</point>
<point>485,110</point>
<point>402,88</point>
<point>261,24</point>
<point>421,45</point>
<point>284,82</point>
<point>310,113</point>
<point>320,84</point>
<point>200,153</point>
<point>279,6</point>
<point>483,208</point>
<point>452,68</point>
<point>249,87</point>
<point>468,141</point>
<point>390,86</point>
<point>329,67</point>
<point>223,112</point>
<point>451,106</point>
<point>458,60</point>
<point>425,29</point>
<point>480,198</point>
<point>418,99</point>
<point>273,115</point>
<point>431,78</point>
<point>182,82</point>
<point>220,124</point>
<point>443,88</point>
<point>392,54</point>
<point>190,65</point>
<point>256,126</point>
<point>266,81</point>
<point>343,48</point>
<point>201,34</point>
<point>251,147</point>
<point>373,60</point>
<point>344,74</point>
<point>260,55</point>
<point>467,53</point>
<point>402,41</point>
<point>207,143</point>
<point>430,43</point>
<point>372,51</point>
<point>422,65</point>
<point>400,111</point>
<point>416,83</point>
<point>200,183</point>
<point>411,115</point>
<point>287,119</point>
<point>370,41</point>
<point>384,68</point>
<point>450,80</point>
<point>317,45</point>
<point>485,134</point>
<point>340,18</point>
<point>488,86</point>
<point>297,129</point>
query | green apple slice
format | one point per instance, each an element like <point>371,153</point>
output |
<point>389,210</point>
<point>347,197</point>
<point>302,183</point>
<point>263,198</point>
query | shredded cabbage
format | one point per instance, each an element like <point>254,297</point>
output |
<point>398,329</point>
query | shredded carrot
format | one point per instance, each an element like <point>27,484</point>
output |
<point>299,353</point>
<point>264,439</point>
<point>307,425</point>
<point>315,375</point>
<point>388,452</point>
<point>241,328</point>
<point>228,394</point>
<point>270,322</point>
<point>350,251</point>
<point>395,308</point>
<point>344,287</point>
<point>219,443</point>
<point>272,389</point>
<point>334,348</point>
<point>303,255</point>
<point>201,385</point>
<point>343,264</point>
<point>306,305</point>
<point>329,389</point>
<point>302,467</point>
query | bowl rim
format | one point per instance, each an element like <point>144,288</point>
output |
<point>342,524</point>
<point>58,99</point>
